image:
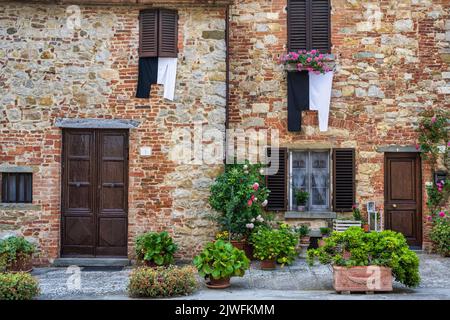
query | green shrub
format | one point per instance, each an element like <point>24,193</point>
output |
<point>278,244</point>
<point>18,286</point>
<point>325,231</point>
<point>156,247</point>
<point>302,231</point>
<point>440,235</point>
<point>162,281</point>
<point>386,248</point>
<point>220,260</point>
<point>13,247</point>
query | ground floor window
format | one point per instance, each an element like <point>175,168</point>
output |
<point>310,171</point>
<point>16,187</point>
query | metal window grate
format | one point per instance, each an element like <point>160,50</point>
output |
<point>16,187</point>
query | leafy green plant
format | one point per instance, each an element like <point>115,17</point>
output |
<point>354,247</point>
<point>162,282</point>
<point>440,234</point>
<point>238,194</point>
<point>18,286</point>
<point>357,216</point>
<point>302,230</point>
<point>301,197</point>
<point>12,248</point>
<point>158,248</point>
<point>275,244</point>
<point>220,260</point>
<point>325,231</point>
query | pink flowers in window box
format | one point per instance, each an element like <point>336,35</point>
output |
<point>312,61</point>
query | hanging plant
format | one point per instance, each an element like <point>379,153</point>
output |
<point>302,60</point>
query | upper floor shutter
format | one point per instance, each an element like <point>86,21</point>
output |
<point>148,33</point>
<point>168,33</point>
<point>309,25</point>
<point>343,179</point>
<point>320,25</point>
<point>277,183</point>
<point>298,25</point>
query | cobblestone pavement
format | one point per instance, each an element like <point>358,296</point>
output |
<point>298,281</point>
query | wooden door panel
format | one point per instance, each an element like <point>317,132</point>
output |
<point>403,204</point>
<point>94,201</point>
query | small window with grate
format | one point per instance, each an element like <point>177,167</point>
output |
<point>16,187</point>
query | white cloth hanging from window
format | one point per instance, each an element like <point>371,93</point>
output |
<point>167,75</point>
<point>320,96</point>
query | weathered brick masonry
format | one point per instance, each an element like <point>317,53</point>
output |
<point>50,71</point>
<point>386,74</point>
<point>388,70</point>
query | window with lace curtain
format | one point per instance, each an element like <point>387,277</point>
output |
<point>310,171</point>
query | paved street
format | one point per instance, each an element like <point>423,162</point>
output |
<point>298,281</point>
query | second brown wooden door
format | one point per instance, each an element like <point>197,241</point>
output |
<point>403,203</point>
<point>94,193</point>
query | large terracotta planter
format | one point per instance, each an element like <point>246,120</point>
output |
<point>240,244</point>
<point>268,264</point>
<point>362,279</point>
<point>218,283</point>
<point>23,263</point>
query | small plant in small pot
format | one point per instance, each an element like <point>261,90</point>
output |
<point>301,197</point>
<point>16,254</point>
<point>303,233</point>
<point>219,261</point>
<point>155,249</point>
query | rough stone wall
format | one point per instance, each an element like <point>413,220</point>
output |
<point>387,71</point>
<point>48,70</point>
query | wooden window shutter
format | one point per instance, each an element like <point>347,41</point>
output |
<point>148,33</point>
<point>309,25</point>
<point>343,179</point>
<point>277,183</point>
<point>320,25</point>
<point>298,25</point>
<point>168,33</point>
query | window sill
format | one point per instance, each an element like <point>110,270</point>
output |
<point>310,215</point>
<point>20,206</point>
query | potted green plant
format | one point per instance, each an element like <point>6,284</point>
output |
<point>301,197</point>
<point>274,245</point>
<point>357,216</point>
<point>155,249</point>
<point>372,259</point>
<point>16,254</point>
<point>219,261</point>
<point>303,233</point>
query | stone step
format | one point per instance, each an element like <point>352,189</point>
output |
<point>91,262</point>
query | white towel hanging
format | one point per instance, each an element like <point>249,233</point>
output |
<point>167,75</point>
<point>320,96</point>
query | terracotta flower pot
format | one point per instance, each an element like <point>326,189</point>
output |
<point>240,244</point>
<point>305,239</point>
<point>268,264</point>
<point>23,263</point>
<point>360,279</point>
<point>321,243</point>
<point>366,227</point>
<point>218,283</point>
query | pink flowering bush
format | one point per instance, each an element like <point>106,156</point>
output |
<point>440,233</point>
<point>239,194</point>
<point>312,61</point>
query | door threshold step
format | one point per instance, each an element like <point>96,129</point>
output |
<point>91,262</point>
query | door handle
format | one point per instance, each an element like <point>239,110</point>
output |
<point>394,205</point>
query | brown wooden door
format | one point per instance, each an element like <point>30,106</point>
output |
<point>94,193</point>
<point>403,204</point>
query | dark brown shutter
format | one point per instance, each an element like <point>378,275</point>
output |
<point>343,179</point>
<point>309,25</point>
<point>320,25</point>
<point>168,33</point>
<point>148,33</point>
<point>298,25</point>
<point>277,183</point>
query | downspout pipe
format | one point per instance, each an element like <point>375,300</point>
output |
<point>227,78</point>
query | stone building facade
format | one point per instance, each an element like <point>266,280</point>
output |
<point>392,61</point>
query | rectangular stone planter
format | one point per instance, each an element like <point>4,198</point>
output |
<point>362,279</point>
